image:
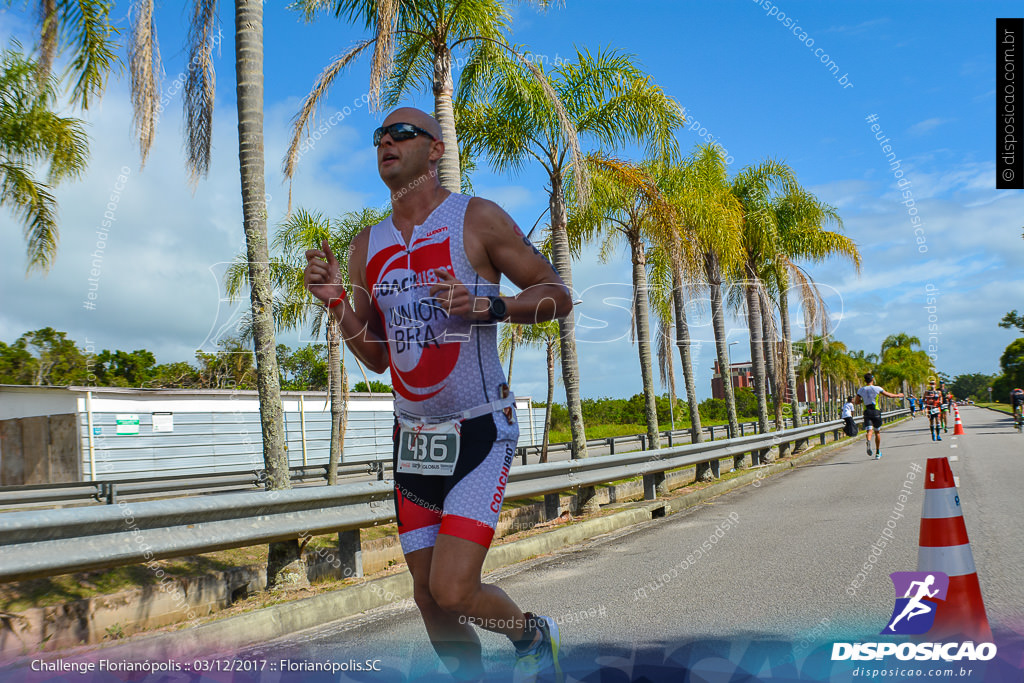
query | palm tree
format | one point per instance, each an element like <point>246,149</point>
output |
<point>837,370</point>
<point>540,335</point>
<point>899,361</point>
<point>753,188</point>
<point>627,205</point>
<point>295,307</point>
<point>413,47</point>
<point>32,135</point>
<point>284,560</point>
<point>712,216</point>
<point>899,340</point>
<point>607,100</point>
<point>800,220</point>
<point>675,279</point>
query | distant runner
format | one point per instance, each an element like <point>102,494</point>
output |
<point>868,394</point>
<point>945,407</point>
<point>1017,401</point>
<point>911,401</point>
<point>932,401</point>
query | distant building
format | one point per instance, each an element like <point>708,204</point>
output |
<point>743,376</point>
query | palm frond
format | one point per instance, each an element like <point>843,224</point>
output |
<point>304,119</point>
<point>200,89</point>
<point>144,70</point>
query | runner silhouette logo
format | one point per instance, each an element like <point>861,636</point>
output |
<point>917,597</point>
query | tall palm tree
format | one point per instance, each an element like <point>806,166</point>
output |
<point>676,278</point>
<point>284,560</point>
<point>753,187</point>
<point>540,335</point>
<point>33,135</point>
<point>413,46</point>
<point>800,220</point>
<point>712,217</point>
<point>628,206</point>
<point>295,307</point>
<point>609,101</point>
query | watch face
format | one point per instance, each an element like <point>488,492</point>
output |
<point>498,307</point>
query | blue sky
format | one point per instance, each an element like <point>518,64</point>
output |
<point>745,79</point>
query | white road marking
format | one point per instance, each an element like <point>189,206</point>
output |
<point>956,482</point>
<point>953,458</point>
<point>953,445</point>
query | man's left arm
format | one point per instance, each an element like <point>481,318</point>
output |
<point>543,295</point>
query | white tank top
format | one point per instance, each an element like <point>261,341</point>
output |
<point>440,365</point>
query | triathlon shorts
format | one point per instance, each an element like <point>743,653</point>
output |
<point>872,419</point>
<point>465,504</point>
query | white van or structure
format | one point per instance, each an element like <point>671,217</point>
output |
<point>52,435</point>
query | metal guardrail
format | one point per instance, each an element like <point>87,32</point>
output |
<point>40,543</point>
<point>112,491</point>
<point>670,436</point>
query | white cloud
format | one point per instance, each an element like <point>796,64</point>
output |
<point>927,126</point>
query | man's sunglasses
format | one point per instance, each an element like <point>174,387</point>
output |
<point>399,132</point>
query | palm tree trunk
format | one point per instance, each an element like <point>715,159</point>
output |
<point>448,169</point>
<point>511,354</point>
<point>756,350</point>
<point>718,323</point>
<point>562,261</point>
<point>819,394</point>
<point>338,385</point>
<point>788,346</point>
<point>284,561</point>
<point>683,344</point>
<point>551,397</point>
<point>641,305</point>
<point>770,346</point>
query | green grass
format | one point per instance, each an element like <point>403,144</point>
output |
<point>606,430</point>
<point>1001,407</point>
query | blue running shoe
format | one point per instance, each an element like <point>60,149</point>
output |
<point>540,663</point>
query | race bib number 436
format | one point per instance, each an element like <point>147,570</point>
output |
<point>428,448</point>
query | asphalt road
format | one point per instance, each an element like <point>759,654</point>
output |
<point>784,565</point>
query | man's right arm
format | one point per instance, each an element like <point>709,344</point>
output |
<point>362,331</point>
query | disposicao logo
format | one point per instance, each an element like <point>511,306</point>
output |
<point>917,597</point>
<point>914,612</point>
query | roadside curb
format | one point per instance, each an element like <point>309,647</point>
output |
<point>267,623</point>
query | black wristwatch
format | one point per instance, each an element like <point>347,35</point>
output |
<point>497,309</point>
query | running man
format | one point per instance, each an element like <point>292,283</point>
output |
<point>932,401</point>
<point>1017,401</point>
<point>911,401</point>
<point>867,395</point>
<point>426,304</point>
<point>944,406</point>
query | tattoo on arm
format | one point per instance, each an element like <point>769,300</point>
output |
<point>529,244</point>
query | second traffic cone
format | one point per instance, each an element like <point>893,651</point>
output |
<point>944,547</point>
<point>958,428</point>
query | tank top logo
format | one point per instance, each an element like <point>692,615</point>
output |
<point>421,357</point>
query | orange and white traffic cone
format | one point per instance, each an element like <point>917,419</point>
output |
<point>944,547</point>
<point>958,428</point>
